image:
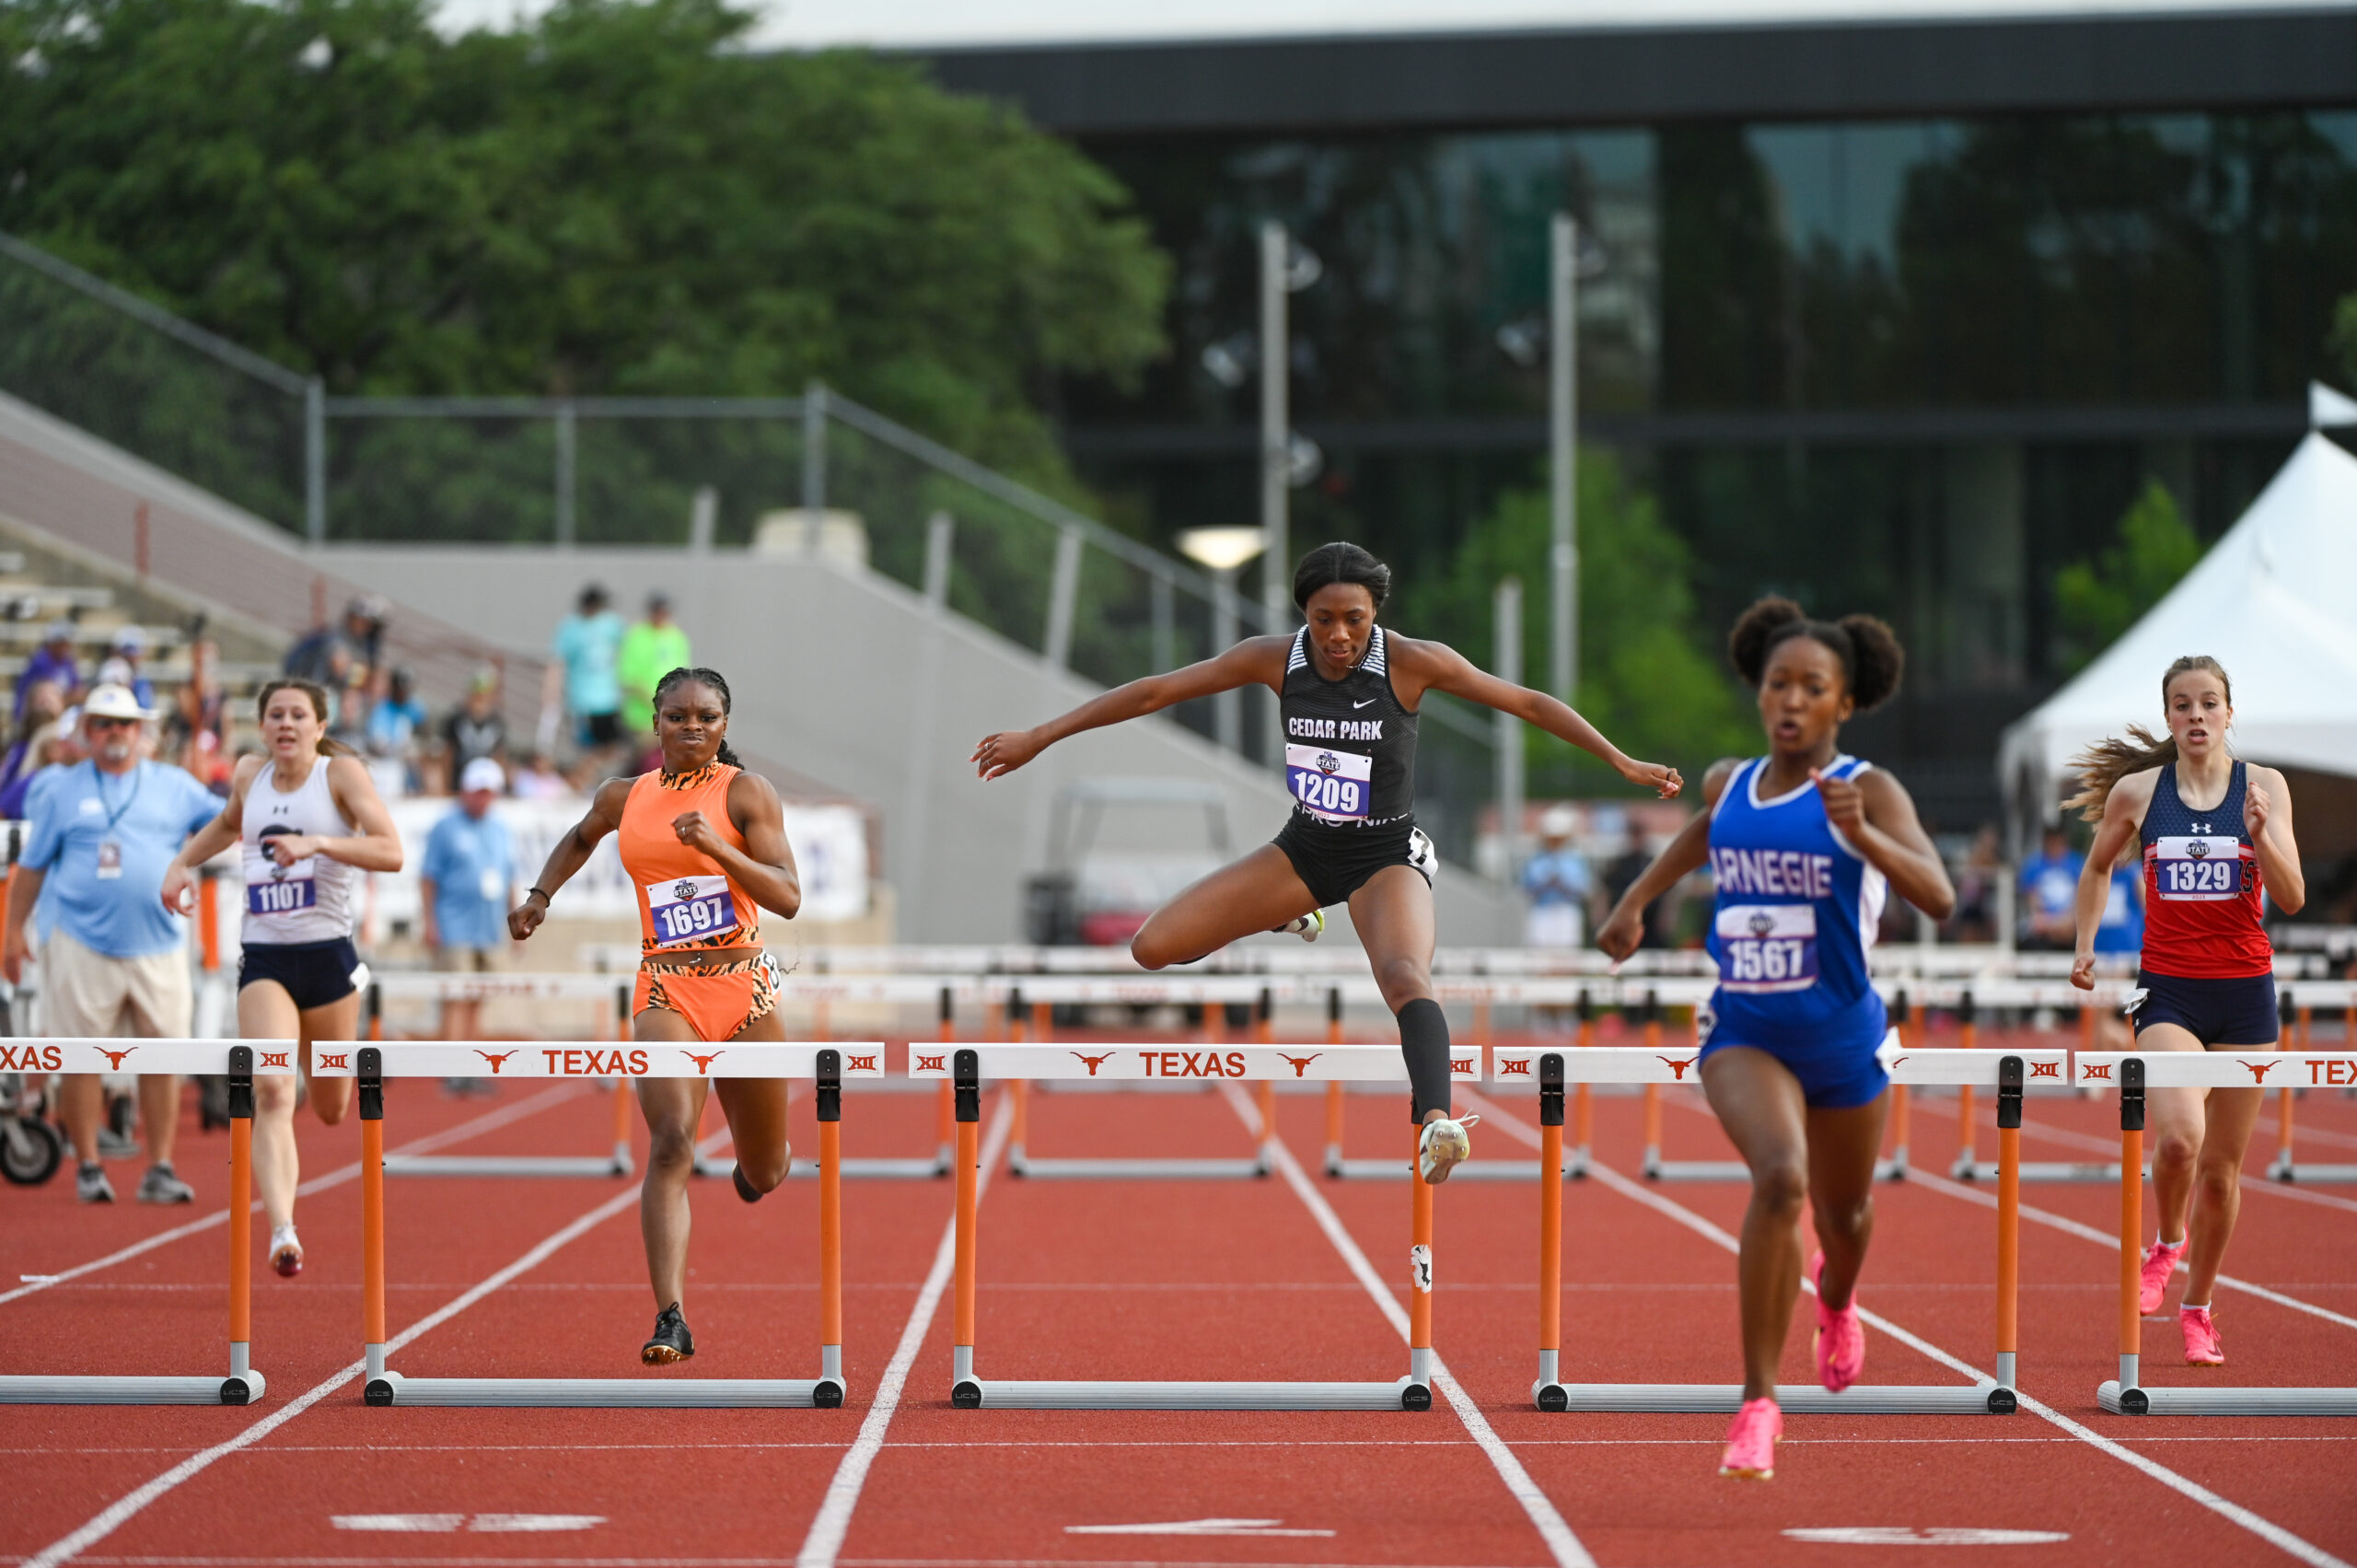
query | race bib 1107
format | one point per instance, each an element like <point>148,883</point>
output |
<point>686,909</point>
<point>1767,948</point>
<point>1330,785</point>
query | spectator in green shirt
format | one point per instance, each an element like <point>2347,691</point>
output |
<point>650,650</point>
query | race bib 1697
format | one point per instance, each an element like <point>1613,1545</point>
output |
<point>687,907</point>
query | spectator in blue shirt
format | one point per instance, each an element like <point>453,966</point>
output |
<point>2121,929</point>
<point>465,886</point>
<point>113,962</point>
<point>53,660</point>
<point>589,648</point>
<point>1558,882</point>
<point>2050,887</point>
<point>122,665</point>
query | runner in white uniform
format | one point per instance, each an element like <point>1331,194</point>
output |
<point>311,821</point>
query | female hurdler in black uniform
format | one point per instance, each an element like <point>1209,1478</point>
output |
<point>1349,692</point>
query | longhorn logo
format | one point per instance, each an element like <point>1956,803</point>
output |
<point>1300,1064</point>
<point>1093,1062</point>
<point>1677,1067</point>
<point>114,1058</point>
<point>1894,1061</point>
<point>703,1064</point>
<point>2045,1068</point>
<point>496,1061</point>
<point>933,1064</point>
<point>2258,1069</point>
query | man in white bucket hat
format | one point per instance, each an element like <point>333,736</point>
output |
<point>1557,881</point>
<point>98,836</point>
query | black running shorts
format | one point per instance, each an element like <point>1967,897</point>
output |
<point>1333,863</point>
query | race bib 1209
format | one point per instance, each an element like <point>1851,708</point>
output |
<point>2197,870</point>
<point>687,907</point>
<point>1330,785</point>
<point>1767,948</point>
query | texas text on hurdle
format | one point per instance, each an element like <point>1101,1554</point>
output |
<point>829,1065</point>
<point>241,1062</point>
<point>2130,1073</point>
<point>1551,1069</point>
<point>967,1067</point>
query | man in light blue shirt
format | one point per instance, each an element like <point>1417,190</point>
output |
<point>114,962</point>
<point>587,646</point>
<point>466,884</point>
<point>1558,882</point>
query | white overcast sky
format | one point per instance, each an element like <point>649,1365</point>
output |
<point>919,24</point>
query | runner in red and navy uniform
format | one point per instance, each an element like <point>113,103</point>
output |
<point>1802,844</point>
<point>2217,836</point>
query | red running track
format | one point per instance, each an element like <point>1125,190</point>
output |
<point>1147,1279</point>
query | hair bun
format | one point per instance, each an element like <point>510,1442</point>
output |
<point>1756,632</point>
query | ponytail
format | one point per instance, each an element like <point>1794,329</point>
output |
<point>2104,764</point>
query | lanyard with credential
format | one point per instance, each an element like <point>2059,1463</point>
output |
<point>115,814</point>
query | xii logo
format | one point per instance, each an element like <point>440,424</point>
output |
<point>340,1062</point>
<point>2095,1070</point>
<point>2045,1068</point>
<point>1518,1067</point>
<point>275,1059</point>
<point>933,1063</point>
<point>860,1064</point>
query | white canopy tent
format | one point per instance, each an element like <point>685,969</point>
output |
<point>2274,601</point>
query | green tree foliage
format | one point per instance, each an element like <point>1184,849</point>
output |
<point>613,199</point>
<point>2343,340</point>
<point>2096,600</point>
<point>1650,675</point>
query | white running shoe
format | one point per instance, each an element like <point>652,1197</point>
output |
<point>1310,927</point>
<point>285,1251</point>
<point>1442,1148</point>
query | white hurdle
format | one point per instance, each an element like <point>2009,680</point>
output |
<point>2131,1073</point>
<point>2300,1001</point>
<point>829,1065</point>
<point>1550,1069</point>
<point>241,1062</point>
<point>1130,1062</point>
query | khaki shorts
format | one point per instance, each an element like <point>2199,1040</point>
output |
<point>472,960</point>
<point>88,995</point>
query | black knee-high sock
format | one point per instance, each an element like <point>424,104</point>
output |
<point>1423,1040</point>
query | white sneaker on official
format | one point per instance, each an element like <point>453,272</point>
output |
<point>1442,1147</point>
<point>1310,927</point>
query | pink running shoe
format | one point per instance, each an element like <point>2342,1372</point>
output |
<point>1841,1343</point>
<point>1751,1441</point>
<point>2202,1345</point>
<point>2160,1262</point>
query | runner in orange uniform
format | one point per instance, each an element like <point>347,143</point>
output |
<point>703,844</point>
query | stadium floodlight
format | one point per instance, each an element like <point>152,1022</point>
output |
<point>1222,549</point>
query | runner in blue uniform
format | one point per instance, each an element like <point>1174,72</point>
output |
<point>1804,844</point>
<point>1348,691</point>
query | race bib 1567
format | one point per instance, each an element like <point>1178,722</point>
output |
<point>1767,948</point>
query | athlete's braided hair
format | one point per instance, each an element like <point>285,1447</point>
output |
<point>1339,562</point>
<point>1871,658</point>
<point>712,678</point>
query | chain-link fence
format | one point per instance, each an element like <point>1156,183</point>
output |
<point>817,473</point>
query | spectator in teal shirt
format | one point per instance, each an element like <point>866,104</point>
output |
<point>589,645</point>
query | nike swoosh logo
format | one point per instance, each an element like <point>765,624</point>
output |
<point>1355,706</point>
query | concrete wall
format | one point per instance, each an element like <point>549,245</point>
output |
<point>852,680</point>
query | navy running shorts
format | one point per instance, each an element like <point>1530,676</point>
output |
<point>2239,1010</point>
<point>314,973</point>
<point>1333,863</point>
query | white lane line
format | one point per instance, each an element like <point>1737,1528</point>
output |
<point>2268,1530</point>
<point>483,1124</point>
<point>832,1522</point>
<point>123,1509</point>
<point>1552,1529</point>
<point>2110,1240</point>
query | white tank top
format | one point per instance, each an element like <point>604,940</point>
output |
<point>311,900</point>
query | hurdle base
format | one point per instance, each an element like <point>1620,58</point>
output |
<point>506,1165</point>
<point>1798,1398</point>
<point>242,1389</point>
<point>852,1170</point>
<point>2285,1168</point>
<point>1655,1168</point>
<point>2225,1401</point>
<point>1471,1170</point>
<point>609,1393</point>
<point>1066,1169</point>
<point>2039,1170</point>
<point>973,1393</point>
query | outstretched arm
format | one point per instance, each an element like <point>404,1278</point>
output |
<point>1624,928</point>
<point>1435,666</point>
<point>570,853</point>
<point>1256,661</point>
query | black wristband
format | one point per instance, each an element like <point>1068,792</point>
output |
<point>545,896</point>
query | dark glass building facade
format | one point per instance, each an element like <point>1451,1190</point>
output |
<point>1896,318</point>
